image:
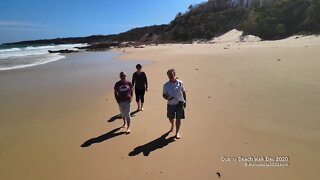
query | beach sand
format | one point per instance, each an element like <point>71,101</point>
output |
<point>254,99</point>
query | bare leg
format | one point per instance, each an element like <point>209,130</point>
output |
<point>172,124</point>
<point>141,107</point>
<point>128,127</point>
<point>124,123</point>
<point>138,103</point>
<point>178,124</point>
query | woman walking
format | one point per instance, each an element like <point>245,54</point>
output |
<point>140,84</point>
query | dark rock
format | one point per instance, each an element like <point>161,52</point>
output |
<point>98,47</point>
<point>63,51</point>
<point>138,46</point>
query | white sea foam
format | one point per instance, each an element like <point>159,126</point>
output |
<point>10,50</point>
<point>22,53</point>
<point>42,61</point>
<point>20,57</point>
<point>38,47</point>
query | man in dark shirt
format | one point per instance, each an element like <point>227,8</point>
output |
<point>123,95</point>
<point>140,82</point>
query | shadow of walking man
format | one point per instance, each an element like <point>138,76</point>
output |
<point>115,117</point>
<point>103,137</point>
<point>134,113</point>
<point>158,143</point>
<point>118,116</point>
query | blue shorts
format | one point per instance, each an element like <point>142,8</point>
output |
<point>176,111</point>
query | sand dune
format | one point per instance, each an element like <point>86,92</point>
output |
<point>235,36</point>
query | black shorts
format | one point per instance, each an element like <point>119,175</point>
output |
<point>140,95</point>
<point>176,111</point>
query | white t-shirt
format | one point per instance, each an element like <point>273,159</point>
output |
<point>174,90</point>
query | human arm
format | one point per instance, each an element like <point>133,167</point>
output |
<point>164,93</point>
<point>116,95</point>
<point>131,92</point>
<point>185,98</point>
<point>165,96</point>
<point>184,94</point>
<point>146,81</point>
<point>133,79</point>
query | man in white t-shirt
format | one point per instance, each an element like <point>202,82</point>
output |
<point>175,94</point>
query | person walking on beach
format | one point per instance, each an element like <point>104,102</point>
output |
<point>140,83</point>
<point>175,94</point>
<point>123,95</point>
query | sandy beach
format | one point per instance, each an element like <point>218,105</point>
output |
<point>248,99</point>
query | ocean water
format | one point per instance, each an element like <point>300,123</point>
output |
<point>13,57</point>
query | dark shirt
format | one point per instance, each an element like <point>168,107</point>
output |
<point>140,81</point>
<point>124,91</point>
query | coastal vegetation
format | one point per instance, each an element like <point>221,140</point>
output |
<point>267,19</point>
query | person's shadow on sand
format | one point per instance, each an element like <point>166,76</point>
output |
<point>103,137</point>
<point>113,118</point>
<point>134,113</point>
<point>158,143</point>
<point>118,116</point>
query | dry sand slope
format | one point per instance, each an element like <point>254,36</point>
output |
<point>250,99</point>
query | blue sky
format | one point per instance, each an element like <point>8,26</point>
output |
<point>40,19</point>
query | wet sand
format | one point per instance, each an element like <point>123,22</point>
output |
<point>49,111</point>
